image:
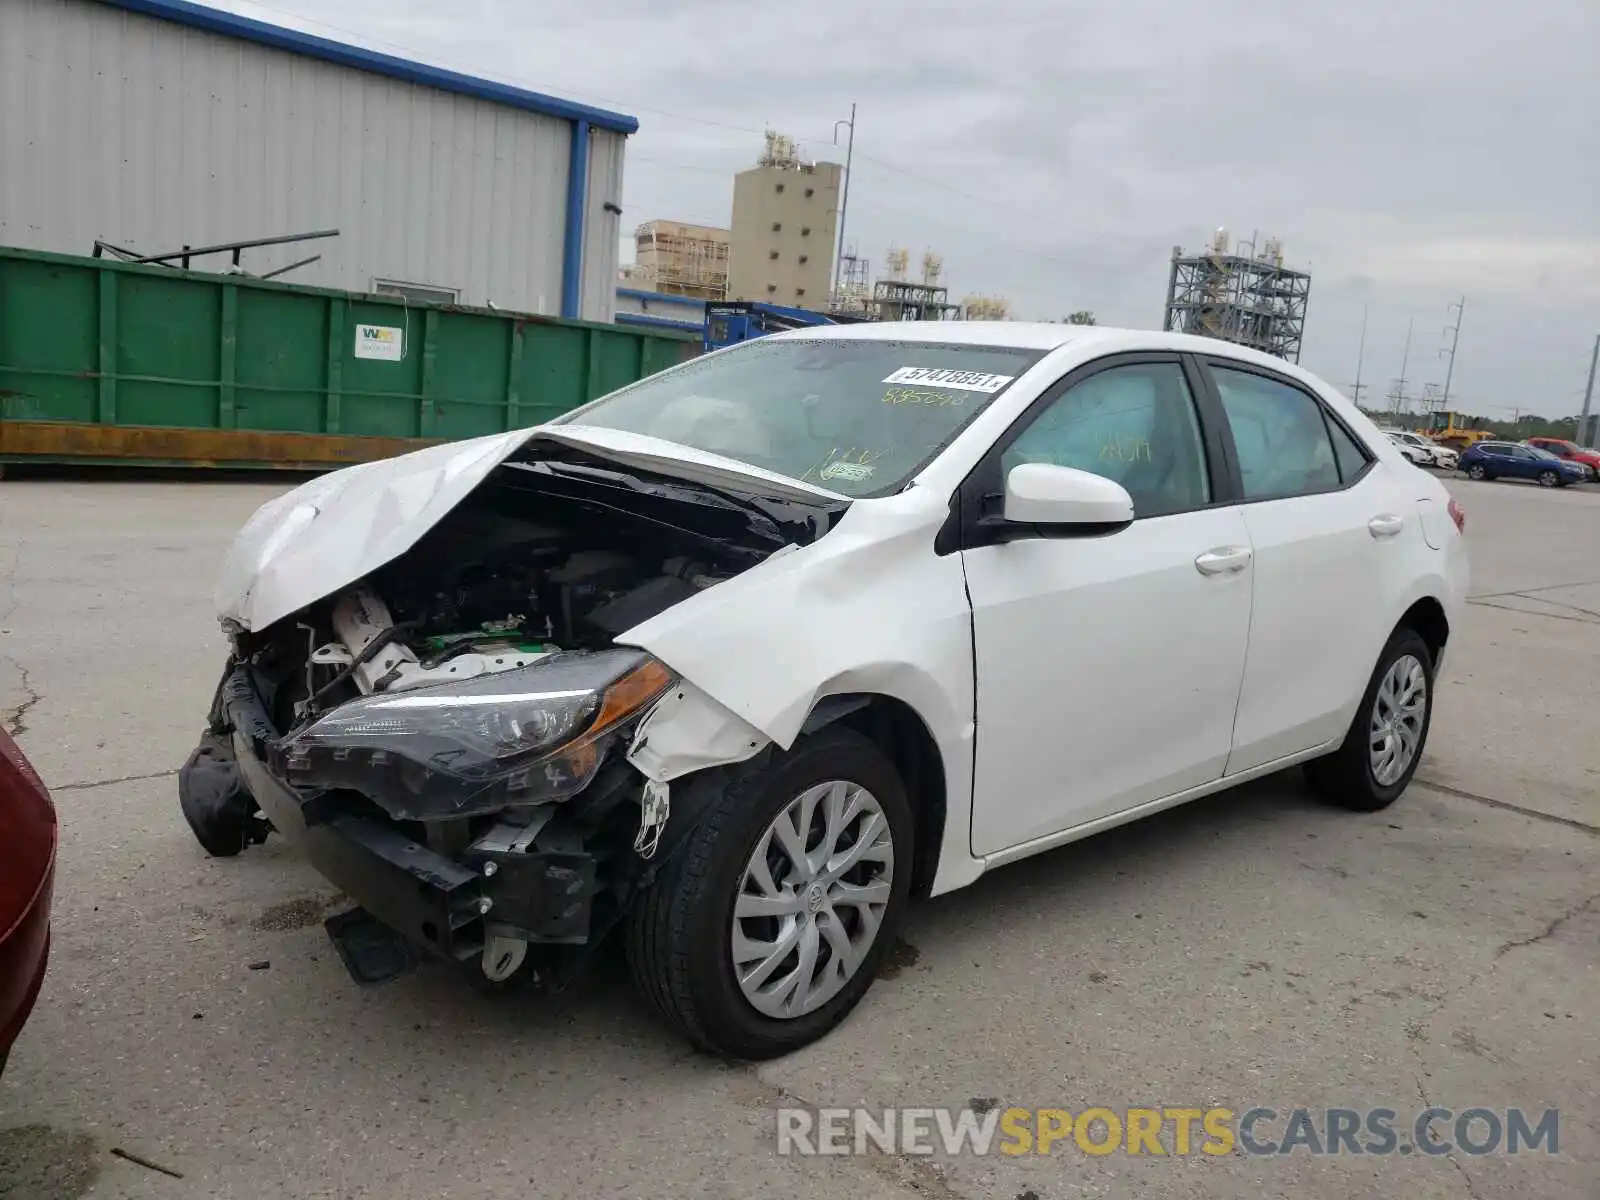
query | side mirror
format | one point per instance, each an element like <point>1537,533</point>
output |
<point>1044,494</point>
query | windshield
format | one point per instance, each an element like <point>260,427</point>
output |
<point>858,416</point>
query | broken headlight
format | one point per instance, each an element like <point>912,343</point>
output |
<point>525,736</point>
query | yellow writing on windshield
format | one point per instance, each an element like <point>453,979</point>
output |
<point>1125,449</point>
<point>923,398</point>
<point>852,455</point>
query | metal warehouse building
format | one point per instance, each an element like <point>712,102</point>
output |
<point>156,124</point>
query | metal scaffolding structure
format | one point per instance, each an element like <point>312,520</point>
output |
<point>853,293</point>
<point>1239,295</point>
<point>679,259</point>
<point>899,299</point>
<point>985,308</point>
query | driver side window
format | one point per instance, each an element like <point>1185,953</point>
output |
<point>1134,424</point>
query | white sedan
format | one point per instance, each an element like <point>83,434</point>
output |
<point>739,658</point>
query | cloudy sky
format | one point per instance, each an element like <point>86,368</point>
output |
<point>1407,152</point>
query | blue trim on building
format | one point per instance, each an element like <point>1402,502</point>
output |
<point>641,294</point>
<point>623,318</point>
<point>198,16</point>
<point>577,196</point>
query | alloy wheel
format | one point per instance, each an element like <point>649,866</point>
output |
<point>812,899</point>
<point>1395,729</point>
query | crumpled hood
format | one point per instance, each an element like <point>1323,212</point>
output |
<point>331,531</point>
<point>338,528</point>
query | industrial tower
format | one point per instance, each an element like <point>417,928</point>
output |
<point>1239,295</point>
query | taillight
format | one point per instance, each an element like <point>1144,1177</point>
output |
<point>1459,516</point>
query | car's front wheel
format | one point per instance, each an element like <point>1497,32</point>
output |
<point>1385,740</point>
<point>1476,471</point>
<point>768,924</point>
<point>1549,479</point>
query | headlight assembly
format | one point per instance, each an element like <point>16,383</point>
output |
<point>525,736</point>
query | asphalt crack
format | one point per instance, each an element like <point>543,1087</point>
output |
<point>1479,798</point>
<point>1526,592</point>
<point>87,784</point>
<point>1472,1188</point>
<point>1549,929</point>
<point>16,719</point>
<point>16,723</point>
<point>1477,977</point>
<point>1527,612</point>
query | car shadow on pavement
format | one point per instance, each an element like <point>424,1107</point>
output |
<point>599,1016</point>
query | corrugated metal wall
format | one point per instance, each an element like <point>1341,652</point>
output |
<point>150,135</point>
<point>602,230</point>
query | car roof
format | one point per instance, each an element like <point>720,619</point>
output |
<point>1037,335</point>
<point>1027,335</point>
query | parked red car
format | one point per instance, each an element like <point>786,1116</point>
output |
<point>1570,451</point>
<point>27,875</point>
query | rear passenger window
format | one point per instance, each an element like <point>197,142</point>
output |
<point>1282,439</point>
<point>1351,457</point>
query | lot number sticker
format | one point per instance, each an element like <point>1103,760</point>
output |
<point>386,342</point>
<point>943,377</point>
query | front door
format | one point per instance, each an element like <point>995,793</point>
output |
<point>1108,666</point>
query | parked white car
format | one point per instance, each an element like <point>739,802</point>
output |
<point>740,657</point>
<point>1417,450</point>
<point>1445,458</point>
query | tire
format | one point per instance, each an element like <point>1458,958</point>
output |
<point>679,943</point>
<point>1476,471</point>
<point>1549,479</point>
<point>1347,776</point>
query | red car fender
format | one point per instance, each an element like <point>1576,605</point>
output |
<point>28,839</point>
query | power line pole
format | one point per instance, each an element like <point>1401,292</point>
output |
<point>1405,357</point>
<point>1455,340</point>
<point>1585,436</point>
<point>844,199</point>
<point>1361,354</point>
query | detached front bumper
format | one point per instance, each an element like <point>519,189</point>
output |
<point>448,906</point>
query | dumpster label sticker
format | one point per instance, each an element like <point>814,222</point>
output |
<point>386,342</point>
<point>944,377</point>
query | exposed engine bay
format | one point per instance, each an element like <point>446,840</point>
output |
<point>557,554</point>
<point>446,737</point>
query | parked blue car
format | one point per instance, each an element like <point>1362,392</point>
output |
<point>1507,460</point>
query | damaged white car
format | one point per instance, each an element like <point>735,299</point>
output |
<point>739,658</point>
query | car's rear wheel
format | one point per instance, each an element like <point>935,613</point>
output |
<point>765,928</point>
<point>1476,471</point>
<point>1386,738</point>
<point>1549,479</point>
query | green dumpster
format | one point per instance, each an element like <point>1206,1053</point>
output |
<point>103,361</point>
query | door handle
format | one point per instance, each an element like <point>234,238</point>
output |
<point>1224,560</point>
<point>1385,525</point>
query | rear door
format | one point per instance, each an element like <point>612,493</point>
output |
<point>1329,524</point>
